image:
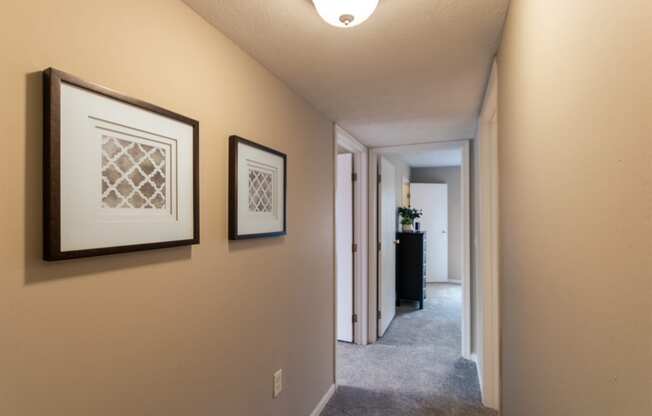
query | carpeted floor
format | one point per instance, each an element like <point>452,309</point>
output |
<point>415,370</point>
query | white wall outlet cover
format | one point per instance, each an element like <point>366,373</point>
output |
<point>278,383</point>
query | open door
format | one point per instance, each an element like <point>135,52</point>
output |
<point>344,238</point>
<point>387,219</point>
<point>432,198</point>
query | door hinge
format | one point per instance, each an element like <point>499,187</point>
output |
<point>355,248</point>
<point>354,176</point>
<point>379,178</point>
<point>355,318</point>
<point>379,315</point>
<point>380,246</point>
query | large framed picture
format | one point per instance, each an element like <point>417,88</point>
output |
<point>257,190</point>
<point>120,174</point>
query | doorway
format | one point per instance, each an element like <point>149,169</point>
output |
<point>379,263</point>
<point>432,200</point>
<point>351,238</point>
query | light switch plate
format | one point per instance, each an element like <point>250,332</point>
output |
<point>278,383</point>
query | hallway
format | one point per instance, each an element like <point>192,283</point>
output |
<point>414,370</point>
<point>179,237</point>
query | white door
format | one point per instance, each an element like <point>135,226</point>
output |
<point>387,232</point>
<point>344,237</point>
<point>432,198</point>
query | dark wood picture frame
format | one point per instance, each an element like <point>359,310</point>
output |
<point>234,141</point>
<point>52,81</point>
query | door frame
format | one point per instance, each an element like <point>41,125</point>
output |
<point>346,141</point>
<point>374,155</point>
<point>488,246</point>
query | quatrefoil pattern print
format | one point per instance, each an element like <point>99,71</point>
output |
<point>260,191</point>
<point>133,174</point>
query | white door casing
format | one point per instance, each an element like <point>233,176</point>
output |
<point>387,232</point>
<point>432,198</point>
<point>344,244</point>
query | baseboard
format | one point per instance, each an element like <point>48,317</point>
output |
<point>324,401</point>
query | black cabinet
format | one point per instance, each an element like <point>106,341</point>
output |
<point>411,267</point>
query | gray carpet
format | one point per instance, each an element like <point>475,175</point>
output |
<point>415,370</point>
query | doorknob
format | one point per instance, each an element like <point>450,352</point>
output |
<point>443,231</point>
<point>397,241</point>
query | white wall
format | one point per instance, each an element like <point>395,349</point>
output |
<point>450,175</point>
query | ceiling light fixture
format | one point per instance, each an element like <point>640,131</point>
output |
<point>345,13</point>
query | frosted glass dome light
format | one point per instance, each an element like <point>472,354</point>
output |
<point>345,13</point>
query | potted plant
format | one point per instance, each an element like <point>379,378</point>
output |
<point>408,215</point>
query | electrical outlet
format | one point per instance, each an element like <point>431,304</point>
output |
<point>278,383</point>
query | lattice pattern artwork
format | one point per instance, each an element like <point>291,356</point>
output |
<point>260,191</point>
<point>133,174</point>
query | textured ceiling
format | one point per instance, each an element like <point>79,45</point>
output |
<point>432,158</point>
<point>414,72</point>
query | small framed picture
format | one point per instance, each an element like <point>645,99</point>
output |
<point>120,174</point>
<point>257,190</point>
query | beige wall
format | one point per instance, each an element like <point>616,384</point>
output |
<point>450,175</point>
<point>575,100</point>
<point>185,331</point>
